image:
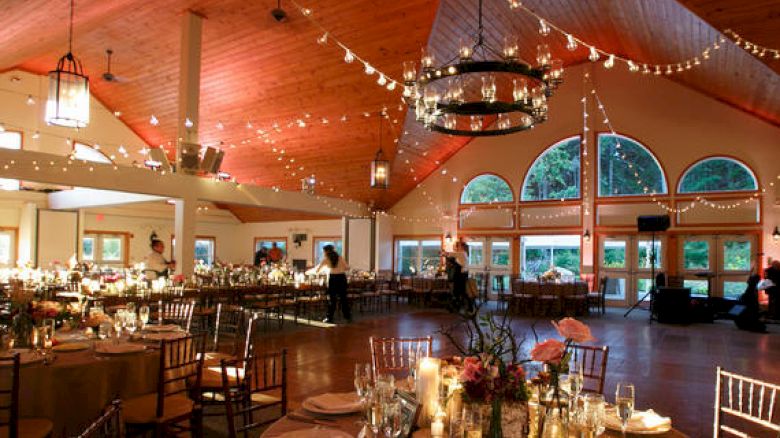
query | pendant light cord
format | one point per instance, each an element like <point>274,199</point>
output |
<point>480,28</point>
<point>70,29</point>
<point>381,114</point>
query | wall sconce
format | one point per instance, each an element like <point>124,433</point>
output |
<point>586,236</point>
<point>776,235</point>
<point>448,238</point>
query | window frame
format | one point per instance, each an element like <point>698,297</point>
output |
<point>693,165</point>
<point>271,239</point>
<point>473,178</point>
<point>522,250</point>
<point>213,240</point>
<point>99,235</point>
<point>649,150</point>
<point>21,148</point>
<point>92,147</point>
<point>539,157</point>
<point>315,261</point>
<point>419,239</point>
<point>14,249</point>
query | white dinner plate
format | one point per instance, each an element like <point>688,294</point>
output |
<point>71,347</point>
<point>25,356</point>
<point>613,423</point>
<point>315,432</point>
<point>349,405</point>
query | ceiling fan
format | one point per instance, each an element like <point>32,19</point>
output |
<point>107,75</point>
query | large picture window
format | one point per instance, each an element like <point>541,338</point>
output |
<point>555,174</point>
<point>322,242</point>
<point>541,253</point>
<point>717,174</point>
<point>268,243</point>
<point>627,168</point>
<point>7,248</point>
<point>205,248</point>
<point>486,188</point>
<point>415,256</point>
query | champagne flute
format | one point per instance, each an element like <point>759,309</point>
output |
<point>143,315</point>
<point>130,324</point>
<point>624,401</point>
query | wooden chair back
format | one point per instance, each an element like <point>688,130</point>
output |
<point>749,406</point>
<point>229,327</point>
<point>593,361</point>
<point>398,355</point>
<point>531,288</point>
<point>176,312</point>
<point>181,368</point>
<point>108,425</point>
<point>254,374</point>
<point>9,395</point>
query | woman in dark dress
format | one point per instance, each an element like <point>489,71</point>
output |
<point>337,282</point>
<point>748,318</point>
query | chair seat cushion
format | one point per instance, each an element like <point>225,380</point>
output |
<point>143,409</point>
<point>265,399</point>
<point>31,428</point>
<point>212,378</point>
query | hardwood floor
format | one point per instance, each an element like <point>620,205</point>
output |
<point>673,367</point>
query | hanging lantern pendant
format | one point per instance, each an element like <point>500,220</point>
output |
<point>68,101</point>
<point>380,167</point>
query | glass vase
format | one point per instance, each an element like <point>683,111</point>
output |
<point>22,325</point>
<point>514,419</point>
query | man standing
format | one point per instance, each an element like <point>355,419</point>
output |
<point>261,256</point>
<point>773,273</point>
<point>275,254</point>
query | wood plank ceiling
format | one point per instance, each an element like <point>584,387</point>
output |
<point>260,72</point>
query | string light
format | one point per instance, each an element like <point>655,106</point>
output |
<point>572,42</point>
<point>753,48</point>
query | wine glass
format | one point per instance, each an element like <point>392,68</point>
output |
<point>393,420</point>
<point>143,315</point>
<point>374,411</point>
<point>130,324</point>
<point>624,401</point>
<point>104,330</point>
<point>119,322</point>
<point>362,379</point>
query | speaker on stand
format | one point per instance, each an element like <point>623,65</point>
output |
<point>653,224</point>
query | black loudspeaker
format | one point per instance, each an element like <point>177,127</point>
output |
<point>212,160</point>
<point>653,223</point>
<point>673,305</point>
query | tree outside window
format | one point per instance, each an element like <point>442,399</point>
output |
<point>718,174</point>
<point>485,189</point>
<point>555,174</point>
<point>619,176</point>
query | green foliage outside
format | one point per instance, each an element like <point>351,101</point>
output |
<point>716,175</point>
<point>736,256</point>
<point>486,188</point>
<point>500,255</point>
<point>696,254</point>
<point>88,248</point>
<point>645,254</point>
<point>615,255</point>
<point>555,174</point>
<point>204,251</point>
<point>616,178</point>
<point>733,289</point>
<point>537,260</point>
<point>112,249</point>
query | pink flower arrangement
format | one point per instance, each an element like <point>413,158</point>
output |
<point>570,328</point>
<point>486,378</point>
<point>550,351</point>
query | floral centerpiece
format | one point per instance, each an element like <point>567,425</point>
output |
<point>492,374</point>
<point>551,274</point>
<point>555,355</point>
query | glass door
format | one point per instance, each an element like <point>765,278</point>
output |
<point>615,263</point>
<point>643,276</point>
<point>698,263</point>
<point>491,258</point>
<point>719,263</point>
<point>736,254</point>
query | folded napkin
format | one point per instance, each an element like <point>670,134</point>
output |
<point>162,328</point>
<point>109,347</point>
<point>336,401</point>
<point>641,421</point>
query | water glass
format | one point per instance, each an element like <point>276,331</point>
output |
<point>374,412</point>
<point>362,379</point>
<point>131,307</point>
<point>143,315</point>
<point>472,421</point>
<point>130,323</point>
<point>393,419</point>
<point>624,402</point>
<point>385,386</point>
<point>104,330</point>
<point>590,416</point>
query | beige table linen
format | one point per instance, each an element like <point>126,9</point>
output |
<point>73,390</point>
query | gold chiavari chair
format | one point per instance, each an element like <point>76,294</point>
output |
<point>178,397</point>
<point>108,425</point>
<point>574,298</point>
<point>254,383</point>
<point>230,324</point>
<point>398,355</point>
<point>597,298</point>
<point>593,361</point>
<point>748,405</point>
<point>11,425</point>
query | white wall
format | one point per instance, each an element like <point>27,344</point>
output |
<point>359,255</point>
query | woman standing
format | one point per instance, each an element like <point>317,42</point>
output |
<point>337,269</point>
<point>459,274</point>
<point>156,264</point>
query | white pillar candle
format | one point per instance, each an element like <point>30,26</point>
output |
<point>428,381</point>
<point>437,428</point>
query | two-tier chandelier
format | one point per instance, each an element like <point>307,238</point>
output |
<point>481,91</point>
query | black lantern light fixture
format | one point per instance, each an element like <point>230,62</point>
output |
<point>464,95</point>
<point>380,167</point>
<point>776,234</point>
<point>68,102</point>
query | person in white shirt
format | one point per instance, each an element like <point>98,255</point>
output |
<point>459,275</point>
<point>156,264</point>
<point>337,269</point>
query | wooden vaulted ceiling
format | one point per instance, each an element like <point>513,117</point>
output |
<point>258,71</point>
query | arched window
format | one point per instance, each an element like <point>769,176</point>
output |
<point>717,174</point>
<point>626,168</point>
<point>486,188</point>
<point>85,152</point>
<point>555,174</point>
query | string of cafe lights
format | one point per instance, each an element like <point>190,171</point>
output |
<point>383,79</point>
<point>754,49</point>
<point>573,43</point>
<point>647,190</point>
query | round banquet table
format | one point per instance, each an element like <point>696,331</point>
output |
<point>73,390</point>
<point>350,425</point>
